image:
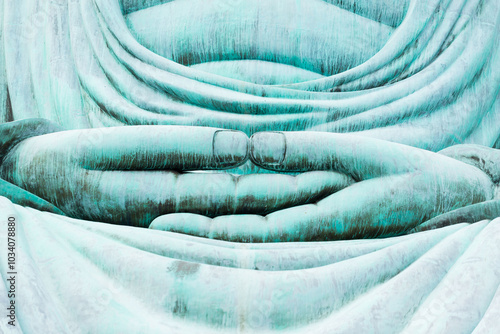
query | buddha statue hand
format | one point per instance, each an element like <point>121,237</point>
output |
<point>131,175</point>
<point>397,188</point>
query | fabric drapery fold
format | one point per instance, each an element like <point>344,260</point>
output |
<point>77,63</point>
<point>183,284</point>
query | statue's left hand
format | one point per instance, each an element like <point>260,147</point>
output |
<point>397,188</point>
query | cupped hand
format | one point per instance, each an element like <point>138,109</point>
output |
<point>398,188</point>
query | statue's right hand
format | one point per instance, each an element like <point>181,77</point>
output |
<point>131,175</point>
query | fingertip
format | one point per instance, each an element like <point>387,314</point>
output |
<point>268,149</point>
<point>230,148</point>
<point>185,223</point>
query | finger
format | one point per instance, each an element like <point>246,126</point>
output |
<point>137,197</point>
<point>361,157</point>
<point>161,147</point>
<point>373,208</point>
<point>269,257</point>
